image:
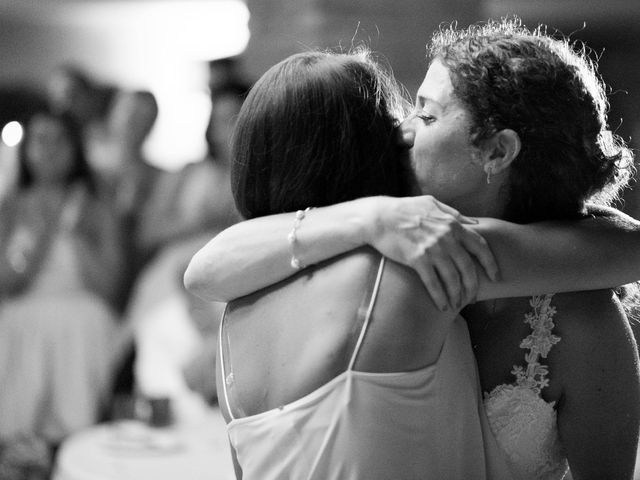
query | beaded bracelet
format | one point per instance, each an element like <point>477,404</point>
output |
<point>293,238</point>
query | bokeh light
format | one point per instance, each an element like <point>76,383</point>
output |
<point>12,134</point>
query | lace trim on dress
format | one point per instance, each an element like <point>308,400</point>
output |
<point>524,424</point>
<point>538,342</point>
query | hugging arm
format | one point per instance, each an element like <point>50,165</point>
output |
<point>601,251</point>
<point>416,231</point>
<point>420,232</point>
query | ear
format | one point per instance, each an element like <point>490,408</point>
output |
<point>500,150</point>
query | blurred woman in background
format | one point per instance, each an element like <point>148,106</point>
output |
<point>60,264</point>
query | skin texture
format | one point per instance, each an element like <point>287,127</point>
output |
<point>438,132</point>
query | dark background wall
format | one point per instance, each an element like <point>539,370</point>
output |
<point>31,44</point>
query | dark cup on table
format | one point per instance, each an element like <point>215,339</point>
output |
<point>161,414</point>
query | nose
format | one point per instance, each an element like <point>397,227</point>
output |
<point>406,133</point>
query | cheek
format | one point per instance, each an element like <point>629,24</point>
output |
<point>443,166</point>
<point>437,153</point>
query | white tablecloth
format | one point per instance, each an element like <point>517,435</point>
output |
<point>132,451</point>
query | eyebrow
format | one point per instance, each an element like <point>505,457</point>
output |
<point>422,100</point>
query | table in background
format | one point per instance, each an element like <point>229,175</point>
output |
<point>197,451</point>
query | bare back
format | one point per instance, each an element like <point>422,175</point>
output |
<point>288,340</point>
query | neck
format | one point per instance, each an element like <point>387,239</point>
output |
<point>488,202</point>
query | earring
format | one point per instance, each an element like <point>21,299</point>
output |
<point>488,167</point>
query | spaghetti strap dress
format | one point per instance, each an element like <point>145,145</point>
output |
<point>422,424</point>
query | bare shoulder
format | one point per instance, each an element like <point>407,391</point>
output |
<point>400,291</point>
<point>338,283</point>
<point>596,340</point>
<point>406,324</point>
<point>590,317</point>
<point>403,285</point>
<point>594,374</point>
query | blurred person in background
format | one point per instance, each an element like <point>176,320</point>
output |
<point>225,74</point>
<point>60,268</point>
<point>198,197</point>
<point>131,178</point>
<point>175,332</point>
<point>131,118</point>
<point>72,90</point>
<point>126,188</point>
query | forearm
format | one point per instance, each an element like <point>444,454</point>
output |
<point>254,254</point>
<point>547,257</point>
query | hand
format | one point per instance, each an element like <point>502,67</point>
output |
<point>431,237</point>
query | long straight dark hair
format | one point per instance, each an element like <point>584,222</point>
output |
<point>316,129</point>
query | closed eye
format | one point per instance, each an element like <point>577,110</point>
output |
<point>425,117</point>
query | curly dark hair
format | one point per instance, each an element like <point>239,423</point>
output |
<point>547,90</point>
<point>317,129</point>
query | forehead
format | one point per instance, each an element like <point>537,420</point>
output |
<point>437,86</point>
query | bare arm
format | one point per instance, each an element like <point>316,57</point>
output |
<point>594,253</point>
<point>596,363</point>
<point>554,256</point>
<point>254,254</point>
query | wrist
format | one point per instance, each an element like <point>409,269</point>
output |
<point>366,220</point>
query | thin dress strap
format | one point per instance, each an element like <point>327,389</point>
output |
<point>366,309</point>
<point>364,313</point>
<point>226,379</point>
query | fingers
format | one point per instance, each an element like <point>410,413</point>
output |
<point>477,246</point>
<point>443,207</point>
<point>467,272</point>
<point>467,220</point>
<point>447,271</point>
<point>448,252</point>
<point>432,238</point>
<point>434,286</point>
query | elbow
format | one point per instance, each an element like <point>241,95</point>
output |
<point>203,282</point>
<point>194,282</point>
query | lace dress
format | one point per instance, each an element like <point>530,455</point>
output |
<point>524,424</point>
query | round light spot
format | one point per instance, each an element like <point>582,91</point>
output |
<point>12,134</point>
